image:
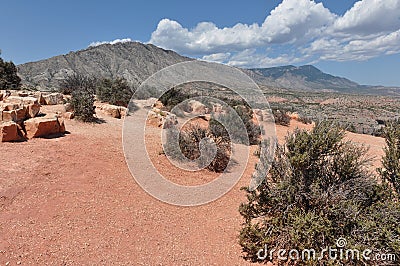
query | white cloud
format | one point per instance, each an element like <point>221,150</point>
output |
<point>370,17</point>
<point>93,44</point>
<point>249,58</point>
<point>294,20</point>
<point>204,38</point>
<point>361,49</point>
<point>219,57</point>
<point>295,31</point>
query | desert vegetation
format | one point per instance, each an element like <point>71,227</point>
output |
<point>319,190</point>
<point>84,88</point>
<point>281,117</point>
<point>76,82</point>
<point>114,91</point>
<point>81,88</point>
<point>8,76</point>
<point>359,113</point>
<point>192,147</point>
<point>391,161</point>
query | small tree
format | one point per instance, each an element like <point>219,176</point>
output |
<point>319,190</point>
<point>173,97</point>
<point>391,161</point>
<point>8,76</point>
<point>116,92</point>
<point>82,96</point>
<point>76,82</point>
<point>82,102</point>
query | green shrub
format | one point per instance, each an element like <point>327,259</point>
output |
<point>76,82</point>
<point>250,136</point>
<point>82,102</point>
<point>317,191</point>
<point>173,97</point>
<point>189,144</point>
<point>116,92</point>
<point>253,131</point>
<point>391,160</point>
<point>8,76</point>
<point>281,117</point>
<point>305,119</point>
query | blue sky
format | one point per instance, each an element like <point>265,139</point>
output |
<point>357,40</point>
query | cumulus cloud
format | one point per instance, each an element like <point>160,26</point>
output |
<point>206,37</point>
<point>291,21</point>
<point>295,31</point>
<point>359,49</point>
<point>249,58</point>
<point>370,17</point>
<point>93,44</point>
<point>296,20</point>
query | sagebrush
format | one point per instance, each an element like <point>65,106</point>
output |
<point>318,190</point>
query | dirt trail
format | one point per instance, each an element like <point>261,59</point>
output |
<point>72,200</point>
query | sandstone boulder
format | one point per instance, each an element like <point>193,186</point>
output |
<point>25,107</point>
<point>39,96</point>
<point>53,98</point>
<point>13,99</point>
<point>9,116</point>
<point>111,110</point>
<point>9,132</point>
<point>33,110</point>
<point>20,114</point>
<point>19,93</point>
<point>9,106</point>
<point>197,107</point>
<point>43,126</point>
<point>147,104</point>
<point>21,100</point>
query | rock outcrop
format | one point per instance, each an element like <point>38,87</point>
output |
<point>10,131</point>
<point>53,98</point>
<point>113,110</point>
<point>43,126</point>
<point>18,116</point>
<point>18,109</point>
<point>197,107</point>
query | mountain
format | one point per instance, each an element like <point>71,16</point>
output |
<point>137,61</point>
<point>132,60</point>
<point>302,78</point>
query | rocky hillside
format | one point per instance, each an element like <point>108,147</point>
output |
<point>132,60</point>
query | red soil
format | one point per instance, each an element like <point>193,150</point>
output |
<point>71,200</point>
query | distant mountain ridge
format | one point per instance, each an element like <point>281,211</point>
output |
<point>137,61</point>
<point>309,77</point>
<point>302,78</point>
